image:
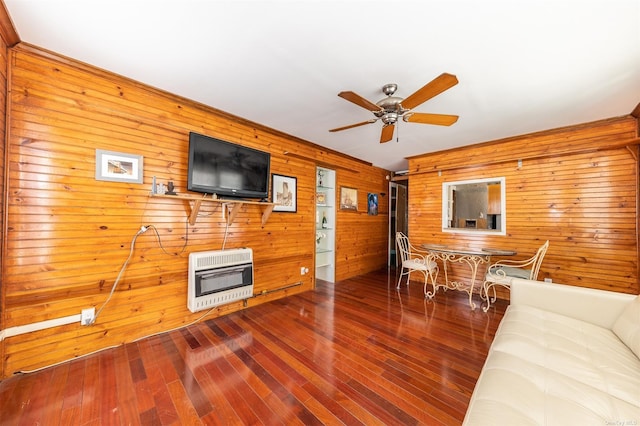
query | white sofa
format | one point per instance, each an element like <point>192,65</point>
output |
<point>562,355</point>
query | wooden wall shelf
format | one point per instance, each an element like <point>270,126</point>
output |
<point>195,202</point>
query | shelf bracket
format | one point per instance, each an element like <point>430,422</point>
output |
<point>193,216</point>
<point>233,212</point>
<point>234,207</point>
<point>268,208</point>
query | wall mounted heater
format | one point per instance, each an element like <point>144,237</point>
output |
<point>219,277</point>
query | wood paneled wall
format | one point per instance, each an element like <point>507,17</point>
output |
<point>3,104</point>
<point>357,230</point>
<point>577,187</point>
<point>68,235</point>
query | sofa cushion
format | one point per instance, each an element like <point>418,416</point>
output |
<point>627,326</point>
<point>564,346</point>
<point>513,391</point>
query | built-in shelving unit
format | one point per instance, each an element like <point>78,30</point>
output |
<point>194,203</point>
<point>325,224</point>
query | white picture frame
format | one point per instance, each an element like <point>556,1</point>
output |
<point>118,167</point>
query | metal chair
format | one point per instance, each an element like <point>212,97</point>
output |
<point>416,260</point>
<point>502,272</point>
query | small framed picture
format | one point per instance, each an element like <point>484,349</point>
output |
<point>348,198</point>
<point>321,198</point>
<point>118,167</point>
<point>284,193</point>
<point>372,204</point>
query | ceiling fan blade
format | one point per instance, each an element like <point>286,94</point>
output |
<point>387,133</point>
<point>351,126</point>
<point>359,100</point>
<point>434,87</point>
<point>425,118</point>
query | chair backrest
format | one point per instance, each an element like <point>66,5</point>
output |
<point>404,248</point>
<point>535,267</point>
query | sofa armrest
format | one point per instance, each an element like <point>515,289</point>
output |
<point>598,307</point>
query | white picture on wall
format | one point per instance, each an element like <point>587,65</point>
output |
<point>284,193</point>
<point>118,167</point>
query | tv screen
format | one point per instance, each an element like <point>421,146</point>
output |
<point>227,169</point>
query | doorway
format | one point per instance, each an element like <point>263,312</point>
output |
<point>398,217</point>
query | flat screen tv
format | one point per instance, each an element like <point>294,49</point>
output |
<point>227,169</point>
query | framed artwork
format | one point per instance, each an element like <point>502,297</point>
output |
<point>118,167</point>
<point>321,198</point>
<point>284,193</point>
<point>348,198</point>
<point>372,204</point>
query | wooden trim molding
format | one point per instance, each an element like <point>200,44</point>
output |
<point>7,29</point>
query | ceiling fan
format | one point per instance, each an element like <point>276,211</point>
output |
<point>391,108</point>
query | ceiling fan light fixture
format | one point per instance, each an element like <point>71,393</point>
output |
<point>390,118</point>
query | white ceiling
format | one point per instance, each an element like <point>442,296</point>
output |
<point>523,66</point>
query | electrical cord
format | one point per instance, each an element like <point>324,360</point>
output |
<point>184,246</point>
<point>226,232</point>
<point>226,221</point>
<point>197,320</point>
<point>142,230</point>
<point>66,360</point>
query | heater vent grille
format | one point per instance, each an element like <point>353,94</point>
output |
<point>219,277</point>
<point>219,259</point>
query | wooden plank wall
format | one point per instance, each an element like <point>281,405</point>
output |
<point>3,105</point>
<point>357,230</point>
<point>577,187</point>
<point>68,235</point>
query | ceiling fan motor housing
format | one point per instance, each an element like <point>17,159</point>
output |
<point>391,107</point>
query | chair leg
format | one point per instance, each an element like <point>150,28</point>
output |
<point>402,274</point>
<point>426,284</point>
<point>400,277</point>
<point>495,295</point>
<point>483,291</point>
<point>485,288</point>
<point>433,276</point>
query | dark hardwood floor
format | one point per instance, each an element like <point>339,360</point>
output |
<point>354,352</point>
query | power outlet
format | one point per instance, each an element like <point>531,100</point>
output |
<point>87,316</point>
<point>547,280</point>
<point>304,270</point>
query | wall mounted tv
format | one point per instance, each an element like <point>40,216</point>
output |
<point>227,169</point>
